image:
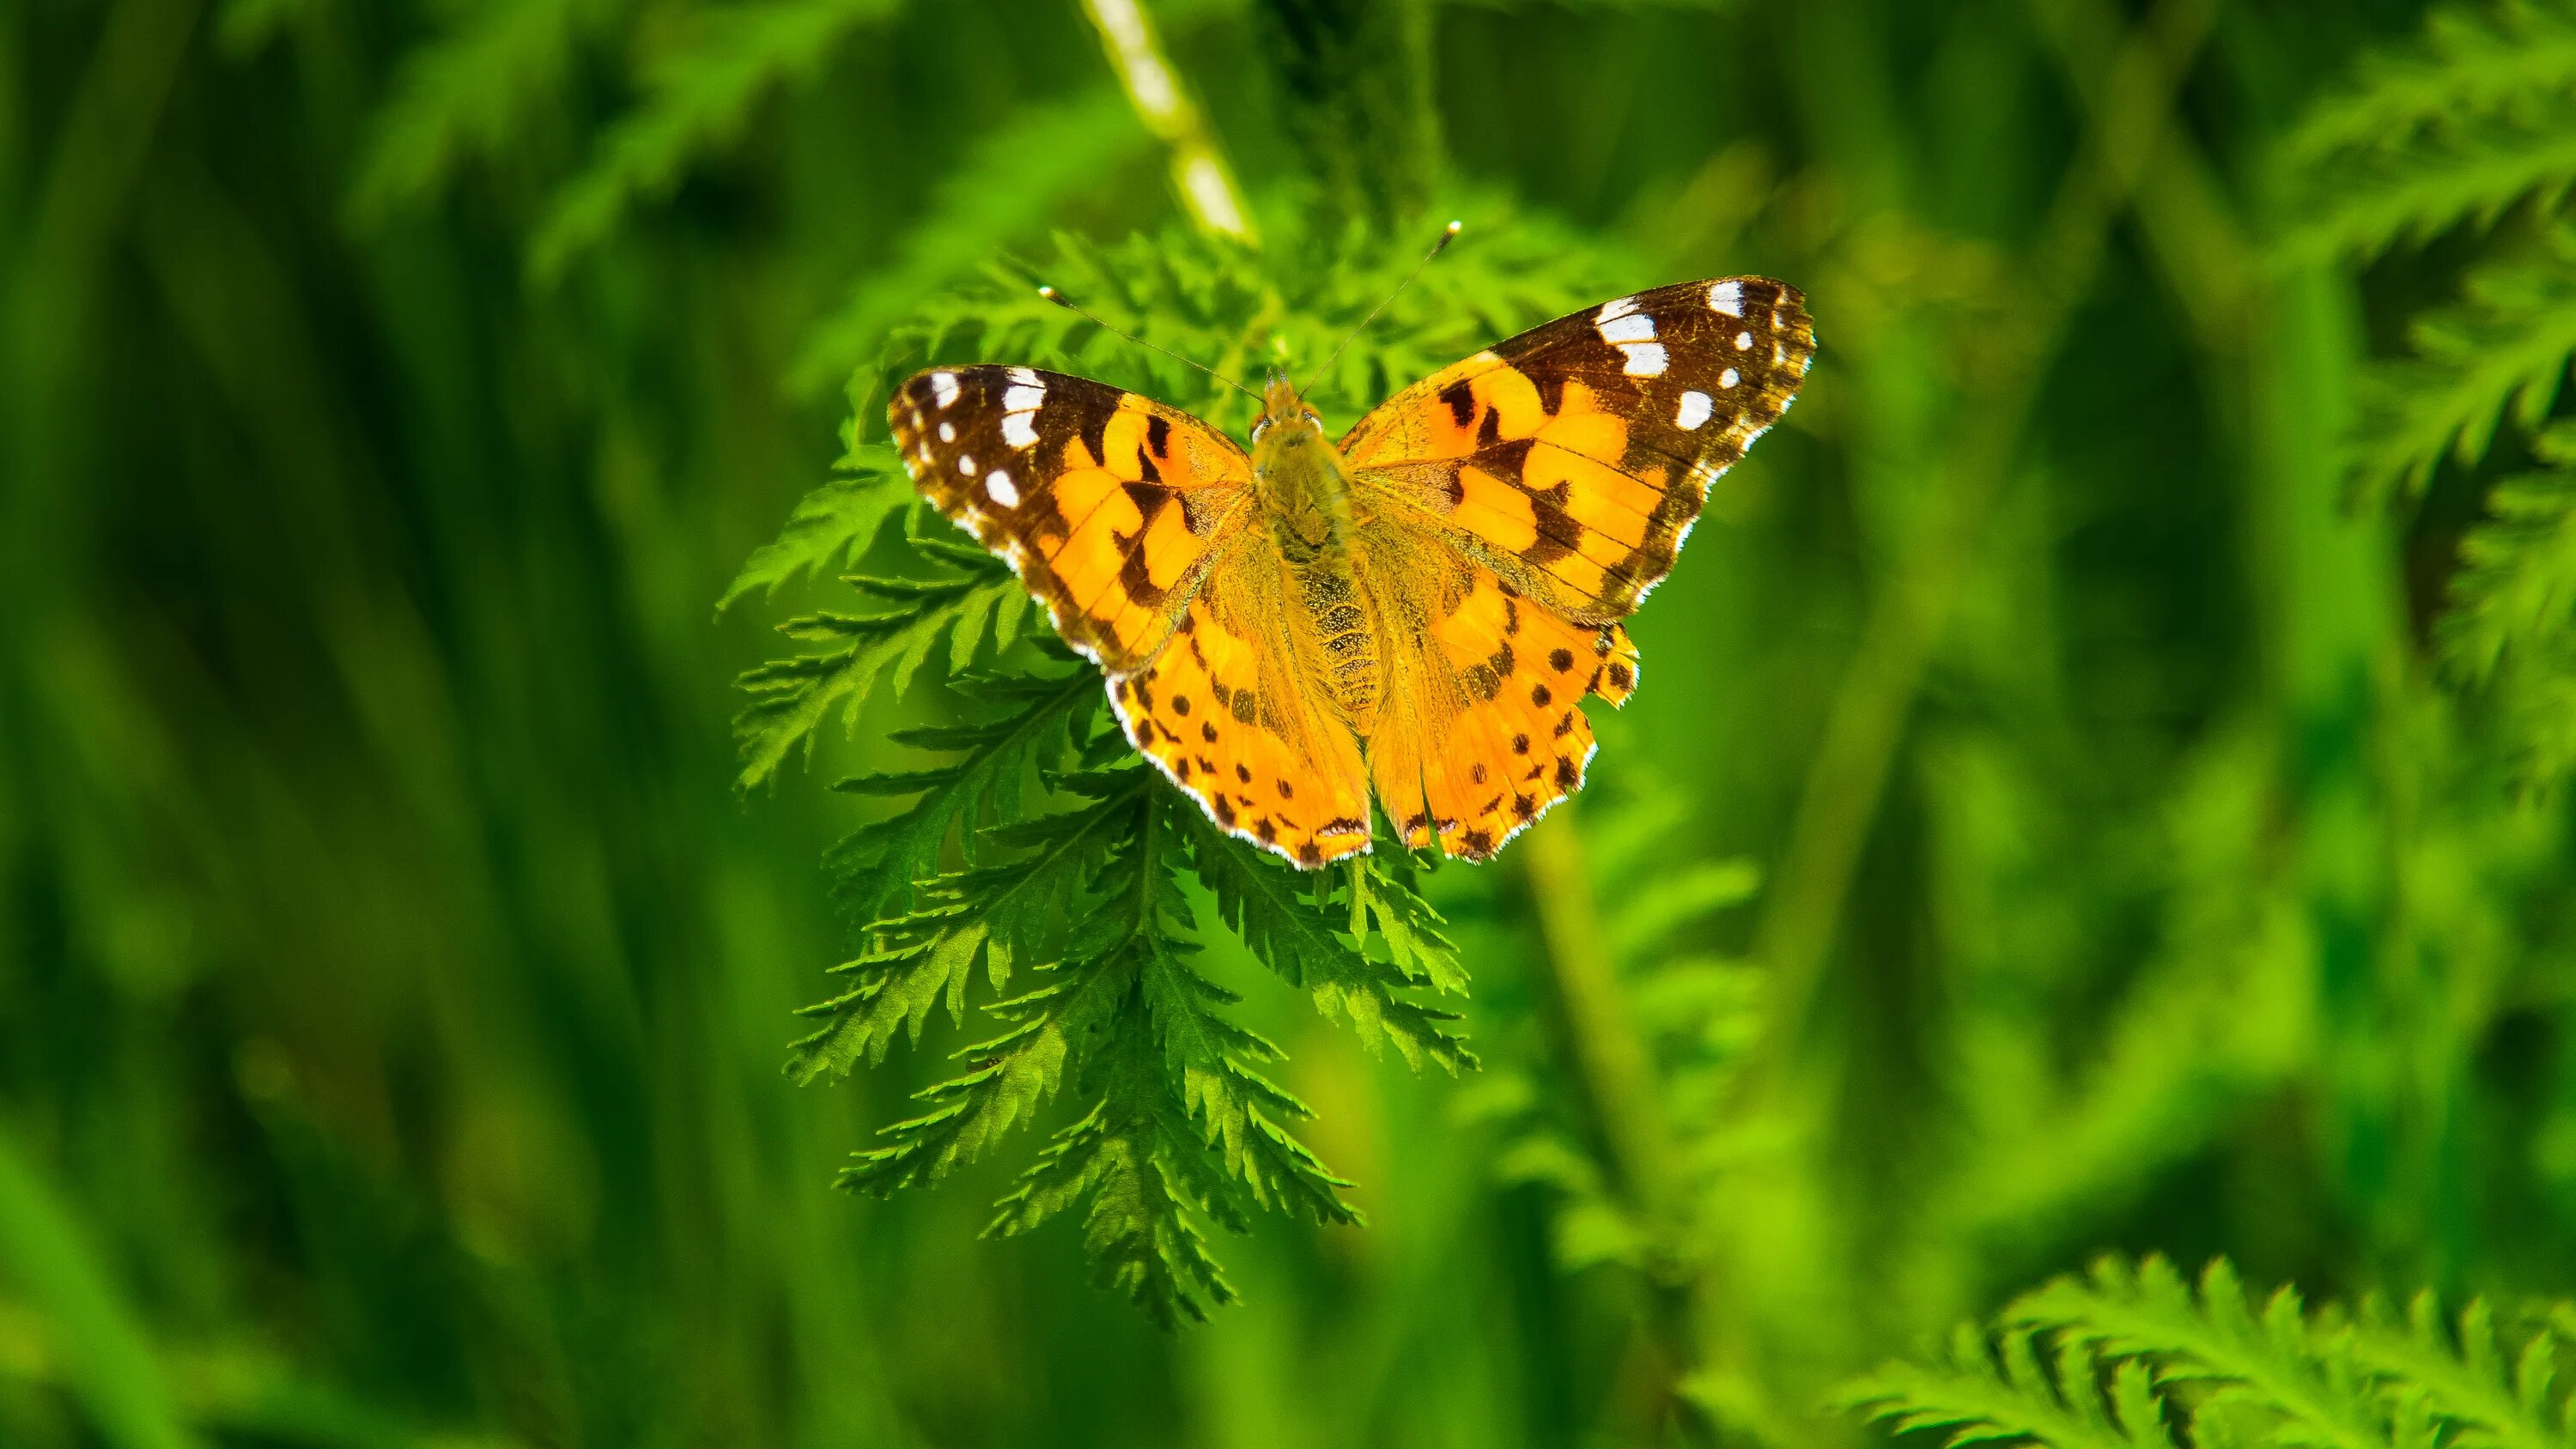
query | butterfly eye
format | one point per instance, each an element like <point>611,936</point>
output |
<point>1312,420</point>
<point>1259,426</point>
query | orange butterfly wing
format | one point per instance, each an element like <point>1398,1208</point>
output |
<point>1530,496</point>
<point>1479,734</point>
<point>1233,710</point>
<point>1128,520</point>
<point>1109,505</point>
<point>1573,459</point>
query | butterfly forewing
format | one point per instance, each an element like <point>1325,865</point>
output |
<point>1573,458</point>
<point>1110,505</point>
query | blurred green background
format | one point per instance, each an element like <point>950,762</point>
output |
<point>2086,795</point>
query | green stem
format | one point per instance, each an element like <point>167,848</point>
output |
<point>1614,1079</point>
<point>1615,1084</point>
<point>1199,172</point>
<point>1848,774</point>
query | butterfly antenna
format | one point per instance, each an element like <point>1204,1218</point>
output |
<point>1058,298</point>
<point>1447,235</point>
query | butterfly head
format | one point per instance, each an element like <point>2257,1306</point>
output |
<point>1286,423</point>
<point>1297,474</point>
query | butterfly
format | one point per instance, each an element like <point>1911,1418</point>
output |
<point>1410,614</point>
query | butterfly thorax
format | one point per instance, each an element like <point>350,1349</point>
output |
<point>1305,500</point>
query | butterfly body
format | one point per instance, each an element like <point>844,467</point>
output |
<point>1303,490</point>
<point>1408,615</point>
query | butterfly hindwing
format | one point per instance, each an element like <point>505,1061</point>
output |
<point>1228,709</point>
<point>1482,733</point>
<point>1108,504</point>
<point>1573,458</point>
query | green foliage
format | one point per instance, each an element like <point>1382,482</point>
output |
<point>972,599</point>
<point>697,96</point>
<point>2503,349</point>
<point>1176,1118</point>
<point>469,95</point>
<point>1179,1118</point>
<point>2469,121</point>
<point>2137,1357</point>
<point>1019,173</point>
<point>1696,1012</point>
<point>2512,590</point>
<point>2511,624</point>
<point>391,992</point>
<point>2472,118</point>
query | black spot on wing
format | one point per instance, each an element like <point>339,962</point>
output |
<point>1092,426</point>
<point>1461,400</point>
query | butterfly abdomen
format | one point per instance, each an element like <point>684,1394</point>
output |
<point>1332,601</point>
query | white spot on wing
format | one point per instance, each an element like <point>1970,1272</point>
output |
<point>943,388</point>
<point>1645,359</point>
<point>1696,408</point>
<point>1635,327</point>
<point>1744,342</point>
<point>1025,378</point>
<point>1727,297</point>
<point>966,464</point>
<point>1613,311</point>
<point>1018,431</point>
<point>997,486</point>
<point>1023,398</point>
<point>948,432</point>
<point>1729,378</point>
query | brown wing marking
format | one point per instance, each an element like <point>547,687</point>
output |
<point>1109,505</point>
<point>1573,459</point>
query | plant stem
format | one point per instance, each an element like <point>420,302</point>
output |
<point>1614,1081</point>
<point>1613,1077</point>
<point>1847,776</point>
<point>1199,173</point>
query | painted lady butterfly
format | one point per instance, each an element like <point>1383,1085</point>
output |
<point>1412,612</point>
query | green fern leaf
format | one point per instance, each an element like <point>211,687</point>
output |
<point>2226,1372</point>
<point>2264,1358</point>
<point>2459,125</point>
<point>1975,1399</point>
<point>2516,586</point>
<point>2505,348</point>
<point>792,698</point>
<point>2471,61</point>
<point>831,526</point>
<point>1305,945</point>
<point>2470,1383</point>
<point>1137,1228</point>
<point>1046,719</point>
